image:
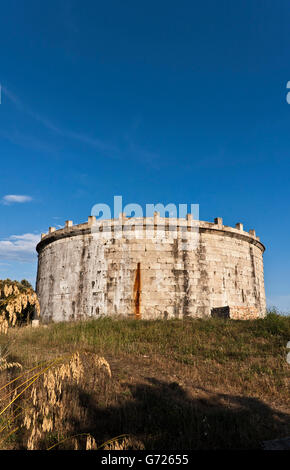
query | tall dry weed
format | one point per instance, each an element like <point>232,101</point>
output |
<point>17,302</point>
<point>55,412</point>
<point>4,359</point>
<point>124,443</point>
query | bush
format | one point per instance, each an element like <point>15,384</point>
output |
<point>18,303</point>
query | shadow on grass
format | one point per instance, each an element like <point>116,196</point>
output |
<point>163,416</point>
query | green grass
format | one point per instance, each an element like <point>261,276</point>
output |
<point>214,338</point>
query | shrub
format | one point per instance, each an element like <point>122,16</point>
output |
<point>18,302</point>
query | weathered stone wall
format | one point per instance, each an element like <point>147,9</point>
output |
<point>181,268</point>
<point>236,313</point>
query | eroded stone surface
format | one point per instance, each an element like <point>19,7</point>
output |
<point>176,271</point>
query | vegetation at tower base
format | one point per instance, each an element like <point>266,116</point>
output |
<point>181,384</point>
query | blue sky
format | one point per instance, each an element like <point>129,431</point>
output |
<point>157,101</point>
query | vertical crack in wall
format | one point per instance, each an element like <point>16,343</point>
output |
<point>254,278</point>
<point>176,274</point>
<point>203,304</point>
<point>186,285</point>
<point>81,278</point>
<point>137,292</point>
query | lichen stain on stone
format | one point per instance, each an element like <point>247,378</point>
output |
<point>137,292</point>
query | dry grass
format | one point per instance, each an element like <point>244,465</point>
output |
<point>40,407</point>
<point>191,384</point>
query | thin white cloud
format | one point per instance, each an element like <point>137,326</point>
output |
<point>19,247</point>
<point>108,149</point>
<point>12,97</point>
<point>92,142</point>
<point>16,198</point>
<point>28,141</point>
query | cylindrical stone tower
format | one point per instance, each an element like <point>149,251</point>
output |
<point>150,268</point>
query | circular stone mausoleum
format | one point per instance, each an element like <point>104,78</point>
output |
<point>149,268</point>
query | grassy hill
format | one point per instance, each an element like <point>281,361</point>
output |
<point>177,384</point>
